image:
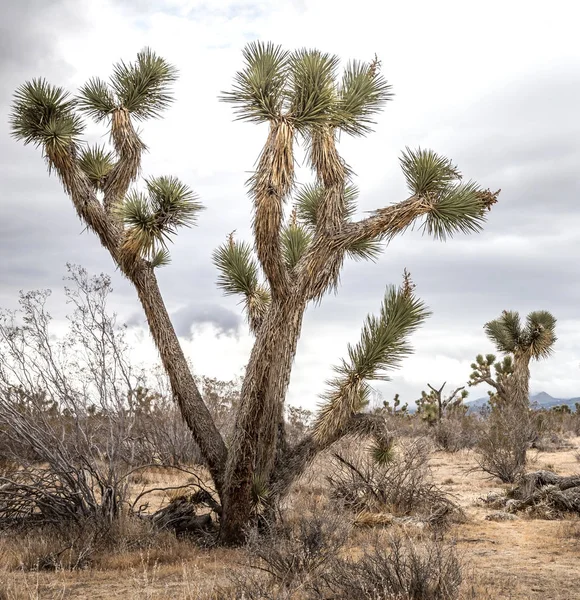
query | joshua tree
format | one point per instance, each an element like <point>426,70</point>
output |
<point>297,259</point>
<point>432,406</point>
<point>503,451</point>
<point>396,409</point>
<point>500,382</point>
<point>522,343</point>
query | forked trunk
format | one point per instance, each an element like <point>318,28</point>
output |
<point>185,391</point>
<point>253,448</point>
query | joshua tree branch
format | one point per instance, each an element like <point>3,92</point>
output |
<point>322,263</point>
<point>270,185</point>
<point>296,459</point>
<point>129,149</point>
<point>454,393</point>
<point>141,274</point>
<point>386,222</point>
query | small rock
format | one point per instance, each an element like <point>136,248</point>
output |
<point>492,498</point>
<point>501,516</point>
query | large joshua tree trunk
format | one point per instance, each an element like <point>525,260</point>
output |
<point>520,404</point>
<point>185,391</point>
<point>252,450</point>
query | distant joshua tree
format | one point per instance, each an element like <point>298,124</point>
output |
<point>396,408</point>
<point>433,406</point>
<point>504,450</point>
<point>294,261</point>
<point>521,343</point>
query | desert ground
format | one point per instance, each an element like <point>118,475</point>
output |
<point>521,559</point>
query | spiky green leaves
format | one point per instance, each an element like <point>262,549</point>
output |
<point>455,206</point>
<point>96,99</point>
<point>160,258</point>
<point>384,338</point>
<point>295,242</point>
<point>540,333</point>
<point>152,218</point>
<point>428,173</point>
<point>536,339</point>
<point>260,493</point>
<point>382,450</point>
<point>96,163</point>
<point>364,249</point>
<point>238,269</point>
<point>43,114</point>
<point>302,87</point>
<point>311,88</point>
<point>309,199</point>
<point>505,332</point>
<point>258,91</point>
<point>239,274</point>
<point>143,88</point>
<point>457,209</point>
<point>362,94</point>
<point>382,346</point>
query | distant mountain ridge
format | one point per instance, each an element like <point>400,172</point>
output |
<point>540,400</point>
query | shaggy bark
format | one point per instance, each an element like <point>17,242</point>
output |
<point>185,391</point>
<point>521,380</point>
<point>253,447</point>
<point>520,389</point>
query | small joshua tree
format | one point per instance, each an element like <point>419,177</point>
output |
<point>433,406</point>
<point>500,381</point>
<point>293,262</point>
<point>504,450</point>
<point>395,409</point>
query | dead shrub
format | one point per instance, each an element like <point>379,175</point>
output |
<point>400,486</point>
<point>501,451</point>
<point>294,553</point>
<point>391,568</point>
<point>397,568</point>
<point>457,433</point>
<point>77,546</point>
<point>571,532</point>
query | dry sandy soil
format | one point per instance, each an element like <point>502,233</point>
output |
<point>518,560</point>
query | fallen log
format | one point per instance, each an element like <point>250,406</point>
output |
<point>182,515</point>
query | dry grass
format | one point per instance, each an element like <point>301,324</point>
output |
<point>523,559</point>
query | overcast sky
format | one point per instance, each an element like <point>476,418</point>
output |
<point>495,86</point>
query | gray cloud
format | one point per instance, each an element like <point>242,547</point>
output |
<point>225,321</point>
